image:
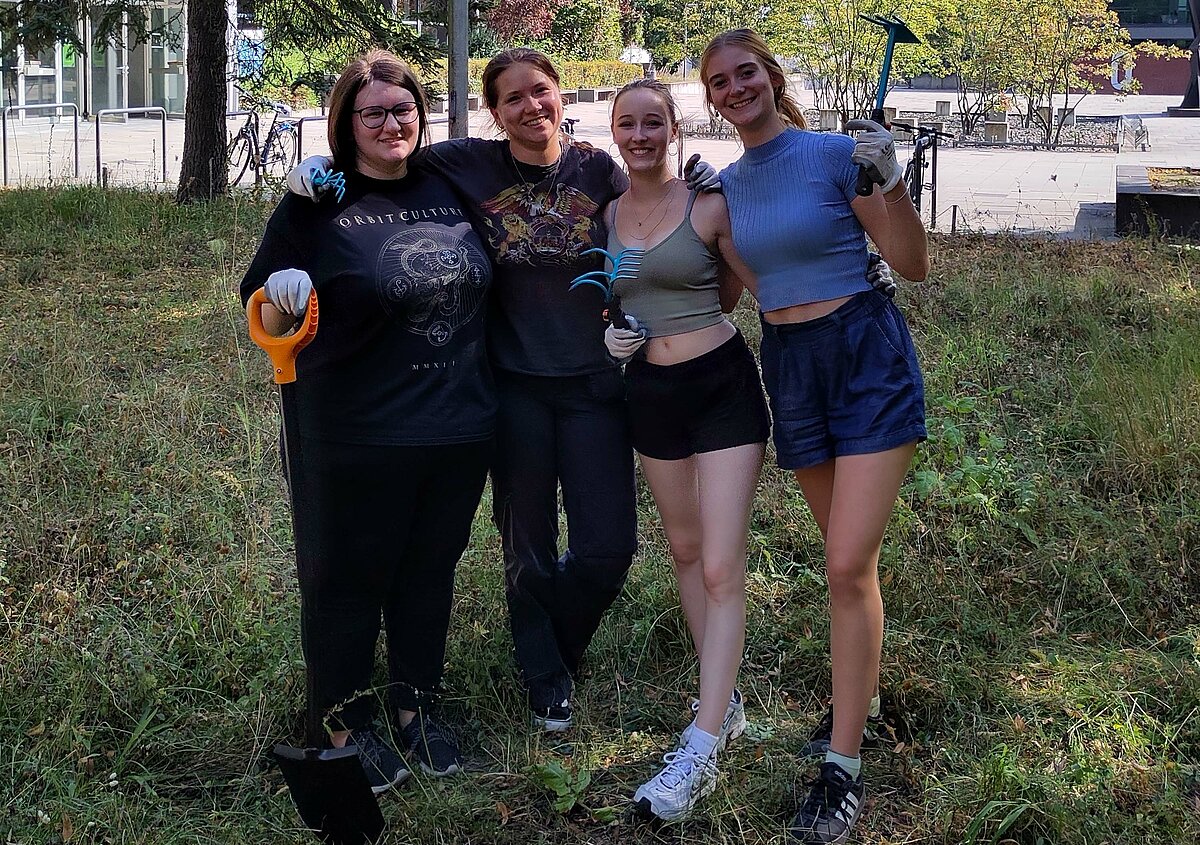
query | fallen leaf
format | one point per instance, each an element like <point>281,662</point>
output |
<point>504,812</point>
<point>36,730</point>
<point>68,828</point>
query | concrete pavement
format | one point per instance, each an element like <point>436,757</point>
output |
<point>1067,193</point>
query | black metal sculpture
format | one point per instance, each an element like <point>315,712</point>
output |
<point>1191,99</point>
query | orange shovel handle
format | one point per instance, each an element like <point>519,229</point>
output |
<point>282,350</point>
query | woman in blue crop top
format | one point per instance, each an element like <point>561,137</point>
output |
<point>839,366</point>
<point>698,418</point>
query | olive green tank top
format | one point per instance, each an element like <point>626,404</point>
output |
<point>675,289</point>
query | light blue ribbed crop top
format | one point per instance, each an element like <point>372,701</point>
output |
<point>789,204</point>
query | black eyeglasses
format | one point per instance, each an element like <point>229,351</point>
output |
<point>373,117</point>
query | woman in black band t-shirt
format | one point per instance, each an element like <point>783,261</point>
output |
<point>535,198</point>
<point>396,409</point>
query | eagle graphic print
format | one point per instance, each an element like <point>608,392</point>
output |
<point>519,234</point>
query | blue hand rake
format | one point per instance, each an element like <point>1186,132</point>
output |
<point>330,179</point>
<point>625,267</point>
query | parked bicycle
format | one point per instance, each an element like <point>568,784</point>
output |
<point>914,171</point>
<point>248,149</point>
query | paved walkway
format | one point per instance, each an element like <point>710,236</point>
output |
<point>1070,193</point>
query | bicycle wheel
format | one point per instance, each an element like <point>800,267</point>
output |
<point>241,152</point>
<point>281,153</point>
<point>912,178</point>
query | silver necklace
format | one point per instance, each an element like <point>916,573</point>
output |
<point>536,207</point>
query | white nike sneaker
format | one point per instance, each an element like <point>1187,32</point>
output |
<point>672,793</point>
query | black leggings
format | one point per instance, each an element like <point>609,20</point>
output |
<point>381,532</point>
<point>573,431</point>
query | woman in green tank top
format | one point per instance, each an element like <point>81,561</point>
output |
<point>698,417</point>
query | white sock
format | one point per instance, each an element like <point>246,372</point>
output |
<point>700,741</point>
<point>873,709</point>
<point>851,765</point>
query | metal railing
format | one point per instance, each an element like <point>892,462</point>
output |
<point>39,107</point>
<point>300,133</point>
<point>159,110</point>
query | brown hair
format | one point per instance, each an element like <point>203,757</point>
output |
<point>505,59</point>
<point>647,84</point>
<point>752,42</point>
<point>372,66</point>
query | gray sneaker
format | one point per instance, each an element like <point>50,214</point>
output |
<point>384,767</point>
<point>875,732</point>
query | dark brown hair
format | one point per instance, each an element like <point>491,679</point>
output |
<point>372,66</point>
<point>752,42</point>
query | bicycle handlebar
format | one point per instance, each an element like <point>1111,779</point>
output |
<point>923,131</point>
<point>257,102</point>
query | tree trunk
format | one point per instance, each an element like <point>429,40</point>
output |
<point>204,172</point>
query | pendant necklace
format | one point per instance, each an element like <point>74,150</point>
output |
<point>645,236</point>
<point>536,207</point>
<point>670,188</point>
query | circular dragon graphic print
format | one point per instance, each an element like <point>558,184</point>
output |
<point>434,280</point>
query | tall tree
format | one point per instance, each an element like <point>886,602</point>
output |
<point>518,22</point>
<point>587,30</point>
<point>204,171</point>
<point>842,53</point>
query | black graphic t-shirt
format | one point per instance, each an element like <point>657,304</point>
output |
<point>536,223</point>
<point>402,281</point>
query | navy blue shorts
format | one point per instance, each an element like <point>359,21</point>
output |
<point>847,383</point>
<point>711,402</point>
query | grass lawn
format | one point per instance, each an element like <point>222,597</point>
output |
<point>1041,573</point>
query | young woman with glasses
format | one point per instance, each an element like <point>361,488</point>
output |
<point>396,410</point>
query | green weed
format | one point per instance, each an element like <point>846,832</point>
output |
<point>1042,654</point>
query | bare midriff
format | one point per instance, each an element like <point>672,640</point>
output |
<point>804,313</point>
<point>677,348</point>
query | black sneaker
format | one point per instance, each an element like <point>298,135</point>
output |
<point>874,733</point>
<point>550,704</point>
<point>384,767</point>
<point>433,745</point>
<point>832,807</point>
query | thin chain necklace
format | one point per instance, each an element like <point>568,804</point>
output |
<point>536,208</point>
<point>667,193</point>
<point>645,236</point>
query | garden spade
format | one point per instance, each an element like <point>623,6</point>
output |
<point>329,786</point>
<point>897,33</point>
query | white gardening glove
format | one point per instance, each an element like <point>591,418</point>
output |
<point>701,176</point>
<point>300,177</point>
<point>289,290</point>
<point>623,343</point>
<point>875,152</point>
<point>879,274</point>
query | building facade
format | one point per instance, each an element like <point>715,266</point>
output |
<point>124,75</point>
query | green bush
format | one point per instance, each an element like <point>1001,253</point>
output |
<point>300,97</point>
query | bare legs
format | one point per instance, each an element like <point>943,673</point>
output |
<point>852,498</point>
<point>704,502</point>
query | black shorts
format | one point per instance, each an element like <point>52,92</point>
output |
<point>713,401</point>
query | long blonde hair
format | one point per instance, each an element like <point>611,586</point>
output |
<point>752,42</point>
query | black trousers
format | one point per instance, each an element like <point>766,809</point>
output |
<point>571,431</point>
<point>379,534</point>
